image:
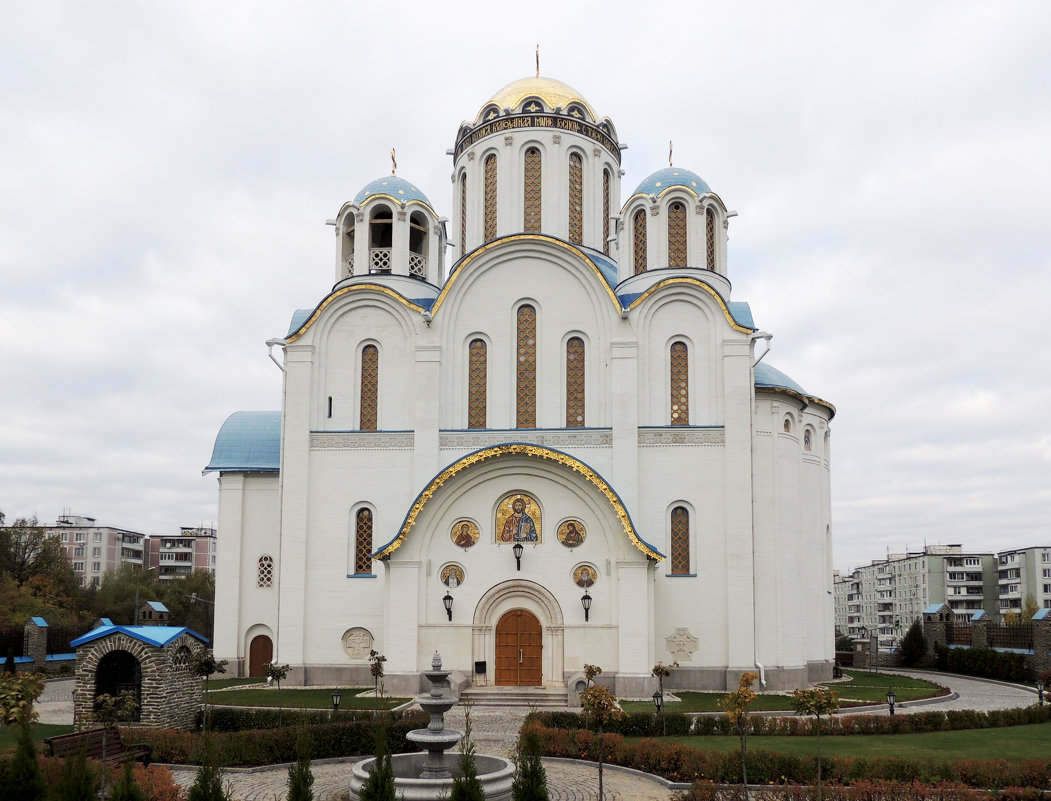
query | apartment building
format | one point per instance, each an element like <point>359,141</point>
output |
<point>887,595</point>
<point>95,550</point>
<point>177,556</point>
<point>1023,573</point>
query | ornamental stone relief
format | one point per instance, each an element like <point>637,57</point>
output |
<point>702,436</point>
<point>682,645</point>
<point>365,440</point>
<point>554,439</point>
<point>357,643</point>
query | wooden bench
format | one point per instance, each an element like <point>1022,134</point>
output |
<point>90,742</point>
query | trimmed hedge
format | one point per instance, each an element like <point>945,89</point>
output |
<point>639,724</point>
<point>350,735</point>
<point>682,763</point>
<point>246,718</point>
<point>860,791</point>
<point>984,662</point>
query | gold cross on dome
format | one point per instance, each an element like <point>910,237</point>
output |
<point>393,162</point>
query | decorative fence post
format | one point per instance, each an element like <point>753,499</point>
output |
<point>36,642</point>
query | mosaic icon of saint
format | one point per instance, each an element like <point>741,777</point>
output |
<point>571,533</point>
<point>584,576</point>
<point>464,534</point>
<point>452,576</point>
<point>519,526</point>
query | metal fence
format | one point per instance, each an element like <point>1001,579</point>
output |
<point>1011,635</point>
<point>60,637</point>
<point>958,634</point>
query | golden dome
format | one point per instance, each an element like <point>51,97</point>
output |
<point>554,93</point>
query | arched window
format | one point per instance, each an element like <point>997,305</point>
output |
<point>381,235</point>
<point>576,199</point>
<point>605,211</point>
<point>788,425</point>
<point>265,577</point>
<point>370,379</point>
<point>490,198</point>
<point>531,193</point>
<point>709,236</point>
<point>476,380</point>
<point>348,246</point>
<point>677,234</point>
<point>679,361</point>
<point>418,245</point>
<point>680,541</point>
<point>463,214</point>
<point>575,383</point>
<point>638,225</point>
<point>363,541</point>
<point>808,444</point>
<point>525,395</point>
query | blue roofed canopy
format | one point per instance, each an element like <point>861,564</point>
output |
<point>248,442</point>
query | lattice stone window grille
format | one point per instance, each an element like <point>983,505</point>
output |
<point>370,373</point>
<point>417,265</point>
<point>605,211</point>
<point>476,383</point>
<point>348,265</point>
<point>680,541</point>
<point>363,541</point>
<point>525,415</point>
<point>575,383</point>
<point>576,199</point>
<point>531,193</point>
<point>490,198</point>
<point>709,235</point>
<point>679,368</point>
<point>463,214</point>
<point>265,574</point>
<point>638,226</point>
<point>379,260</point>
<point>677,234</point>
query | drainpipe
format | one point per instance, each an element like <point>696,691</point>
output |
<point>755,601</point>
<point>270,352</point>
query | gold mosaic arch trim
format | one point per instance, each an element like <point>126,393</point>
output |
<point>692,282</point>
<point>668,189</point>
<point>517,449</point>
<point>398,201</point>
<point>806,400</point>
<point>408,304</point>
<point>523,238</point>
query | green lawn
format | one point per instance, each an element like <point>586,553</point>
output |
<point>862,689</point>
<point>9,734</point>
<point>301,698</point>
<point>1011,743</point>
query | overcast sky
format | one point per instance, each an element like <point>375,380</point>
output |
<point>166,170</point>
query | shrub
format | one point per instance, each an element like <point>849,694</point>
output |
<point>913,645</point>
<point>125,789</point>
<point>24,781</point>
<point>300,778</point>
<point>530,782</point>
<point>985,662</point>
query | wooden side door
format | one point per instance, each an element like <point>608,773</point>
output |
<point>519,650</point>
<point>260,651</point>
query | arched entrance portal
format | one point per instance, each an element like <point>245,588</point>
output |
<point>260,652</point>
<point>119,672</point>
<point>519,650</point>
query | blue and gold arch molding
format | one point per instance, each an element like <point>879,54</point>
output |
<point>531,451</point>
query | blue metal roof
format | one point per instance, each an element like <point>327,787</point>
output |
<point>398,188</point>
<point>978,616</point>
<point>299,317</point>
<point>933,609</point>
<point>158,636</point>
<point>605,265</point>
<point>248,441</point>
<point>767,376</point>
<point>1042,614</point>
<point>669,177</point>
<point>40,622</point>
<point>156,606</point>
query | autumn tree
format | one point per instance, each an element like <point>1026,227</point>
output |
<point>817,702</point>
<point>601,707</point>
<point>736,706</point>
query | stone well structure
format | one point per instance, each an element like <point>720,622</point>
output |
<point>151,661</point>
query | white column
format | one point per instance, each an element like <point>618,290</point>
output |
<point>229,638</point>
<point>624,417</point>
<point>403,610</point>
<point>633,617</point>
<point>425,412</point>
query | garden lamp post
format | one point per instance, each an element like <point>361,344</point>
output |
<point>658,701</point>
<point>517,549</point>
<point>337,696</point>
<point>891,698</point>
<point>585,601</point>
<point>1040,691</point>
<point>447,601</point>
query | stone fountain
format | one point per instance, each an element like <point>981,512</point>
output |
<point>428,775</point>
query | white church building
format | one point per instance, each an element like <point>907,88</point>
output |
<point>535,435</point>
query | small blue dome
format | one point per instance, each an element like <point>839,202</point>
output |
<point>669,177</point>
<point>392,186</point>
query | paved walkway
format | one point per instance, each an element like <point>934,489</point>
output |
<point>980,695</point>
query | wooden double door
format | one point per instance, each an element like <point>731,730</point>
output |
<point>519,650</point>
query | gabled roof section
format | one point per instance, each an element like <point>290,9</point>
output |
<point>248,442</point>
<point>304,318</point>
<point>157,636</point>
<point>156,606</point>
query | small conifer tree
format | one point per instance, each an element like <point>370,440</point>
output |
<point>208,786</point>
<point>24,780</point>
<point>300,778</point>
<point>78,780</point>
<point>379,786</point>
<point>125,789</point>
<point>913,645</point>
<point>466,786</point>
<point>530,782</point>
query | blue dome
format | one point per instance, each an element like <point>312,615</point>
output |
<point>669,177</point>
<point>248,442</point>
<point>391,185</point>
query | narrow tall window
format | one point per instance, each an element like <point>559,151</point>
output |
<point>363,541</point>
<point>490,198</point>
<point>677,234</point>
<point>680,384</point>
<point>576,199</point>
<point>709,235</point>
<point>680,541</point>
<point>638,227</point>
<point>476,379</point>
<point>370,378</point>
<point>463,214</point>
<point>531,192</point>
<point>525,414</point>
<point>575,383</point>
<point>605,211</point>
<point>265,575</point>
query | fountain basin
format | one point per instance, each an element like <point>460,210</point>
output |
<point>494,773</point>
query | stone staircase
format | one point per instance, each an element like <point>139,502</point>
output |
<point>540,697</point>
